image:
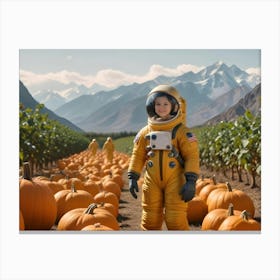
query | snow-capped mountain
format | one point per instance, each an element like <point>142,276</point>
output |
<point>76,91</point>
<point>52,100</point>
<point>117,109</point>
<point>216,79</point>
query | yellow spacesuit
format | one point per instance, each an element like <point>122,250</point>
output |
<point>93,147</point>
<point>169,151</point>
<point>109,148</point>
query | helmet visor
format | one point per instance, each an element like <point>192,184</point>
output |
<point>150,103</point>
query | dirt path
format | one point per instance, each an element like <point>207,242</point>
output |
<point>130,209</point>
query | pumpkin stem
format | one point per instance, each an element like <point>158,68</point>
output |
<point>91,208</point>
<point>230,210</point>
<point>26,171</point>
<point>73,188</point>
<point>245,215</point>
<point>229,186</point>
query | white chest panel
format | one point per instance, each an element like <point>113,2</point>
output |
<point>160,140</point>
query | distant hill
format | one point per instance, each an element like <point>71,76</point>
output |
<point>217,106</point>
<point>208,93</point>
<point>29,102</point>
<point>251,102</point>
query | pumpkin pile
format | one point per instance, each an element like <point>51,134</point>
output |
<point>82,194</point>
<point>219,206</point>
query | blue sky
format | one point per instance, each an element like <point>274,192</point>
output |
<point>114,67</point>
<point>134,61</point>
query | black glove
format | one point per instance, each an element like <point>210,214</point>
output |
<point>188,190</point>
<point>132,183</point>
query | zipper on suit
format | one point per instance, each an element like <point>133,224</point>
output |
<point>160,164</point>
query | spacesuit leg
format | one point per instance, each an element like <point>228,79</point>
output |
<point>110,157</point>
<point>152,205</point>
<point>175,207</point>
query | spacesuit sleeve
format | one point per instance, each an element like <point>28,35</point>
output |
<point>90,145</point>
<point>138,157</point>
<point>188,146</point>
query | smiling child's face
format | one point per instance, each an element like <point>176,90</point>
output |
<point>163,107</point>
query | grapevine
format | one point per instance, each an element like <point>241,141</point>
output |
<point>43,140</point>
<point>233,145</point>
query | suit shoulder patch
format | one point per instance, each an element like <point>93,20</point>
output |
<point>191,137</point>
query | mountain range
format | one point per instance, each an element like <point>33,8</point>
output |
<point>251,102</point>
<point>28,101</point>
<point>208,93</point>
<point>54,94</point>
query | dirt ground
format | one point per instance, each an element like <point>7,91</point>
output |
<point>130,208</point>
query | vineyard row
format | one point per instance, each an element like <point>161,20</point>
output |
<point>234,146</point>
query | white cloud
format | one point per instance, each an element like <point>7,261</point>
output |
<point>157,70</point>
<point>109,77</point>
<point>253,71</point>
<point>64,77</point>
<point>30,78</point>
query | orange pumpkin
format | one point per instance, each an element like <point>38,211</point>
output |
<point>107,172</point>
<point>72,166</point>
<point>57,176</point>
<point>196,211</point>
<point>201,182</point>
<point>111,186</point>
<point>221,198</point>
<point>214,218</point>
<point>108,207</point>
<point>117,178</point>
<point>207,189</point>
<point>37,202</point>
<point>53,185</point>
<point>241,222</point>
<point>92,187</point>
<point>79,218</point>
<point>97,227</point>
<point>79,184</point>
<point>70,199</point>
<point>108,197</point>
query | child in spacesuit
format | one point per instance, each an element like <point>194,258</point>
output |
<point>93,147</point>
<point>109,148</point>
<point>169,151</point>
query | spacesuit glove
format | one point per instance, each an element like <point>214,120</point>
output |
<point>187,192</point>
<point>132,183</point>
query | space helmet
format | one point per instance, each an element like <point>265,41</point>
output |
<point>159,91</point>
